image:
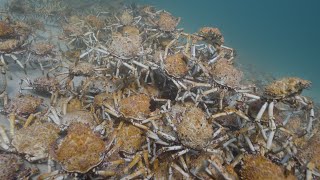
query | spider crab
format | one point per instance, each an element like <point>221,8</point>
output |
<point>287,90</point>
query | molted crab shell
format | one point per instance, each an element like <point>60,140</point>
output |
<point>125,46</point>
<point>35,140</point>
<point>224,71</point>
<point>45,84</point>
<point>135,106</point>
<point>193,128</point>
<point>132,138</point>
<point>176,65</point>
<point>42,48</point>
<point>126,18</point>
<point>84,117</point>
<point>5,29</point>
<point>95,22</point>
<point>9,45</point>
<point>310,151</point>
<point>167,22</point>
<point>211,35</point>
<point>9,166</point>
<point>81,69</point>
<point>286,87</point>
<point>259,168</point>
<point>81,150</point>
<point>23,105</point>
<point>130,31</point>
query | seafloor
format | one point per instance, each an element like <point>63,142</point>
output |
<point>186,108</point>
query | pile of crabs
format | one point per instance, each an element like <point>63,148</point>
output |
<point>127,94</point>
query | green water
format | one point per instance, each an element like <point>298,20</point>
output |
<point>280,37</point>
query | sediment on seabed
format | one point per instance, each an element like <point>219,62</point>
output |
<point>104,89</point>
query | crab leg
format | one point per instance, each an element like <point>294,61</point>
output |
<point>178,168</point>
<point>36,158</point>
<point>135,174</point>
<point>261,111</point>
<point>48,175</point>
<point>4,135</point>
<point>169,45</point>
<point>272,125</point>
<point>311,118</point>
<point>106,173</point>
<point>134,161</point>
<point>30,119</point>
<point>174,156</point>
<point>146,158</point>
<point>12,120</point>
<point>247,139</point>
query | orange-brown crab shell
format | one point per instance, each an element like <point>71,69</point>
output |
<point>23,105</point>
<point>167,22</point>
<point>81,150</point>
<point>259,168</point>
<point>135,106</point>
<point>42,48</point>
<point>126,18</point>
<point>9,45</point>
<point>207,32</point>
<point>176,65</point>
<point>95,22</point>
<point>131,137</point>
<point>82,69</point>
<point>286,87</point>
<point>194,130</point>
<point>9,166</point>
<point>35,140</point>
<point>5,29</point>
<point>223,70</point>
<point>80,116</point>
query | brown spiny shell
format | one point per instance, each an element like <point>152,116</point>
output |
<point>199,163</point>
<point>130,31</point>
<point>45,84</point>
<point>260,168</point>
<point>126,18</point>
<point>194,130</point>
<point>74,104</point>
<point>42,48</point>
<point>176,65</point>
<point>23,105</point>
<point>81,150</point>
<point>125,46</point>
<point>35,140</point>
<point>9,45</point>
<point>81,69</point>
<point>161,171</point>
<point>79,116</point>
<point>102,98</point>
<point>9,166</point>
<point>72,29</point>
<point>167,22</point>
<point>5,29</point>
<point>22,29</point>
<point>224,71</point>
<point>131,137</point>
<point>73,54</point>
<point>95,22</point>
<point>310,151</point>
<point>286,87</point>
<point>211,35</point>
<point>135,106</point>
